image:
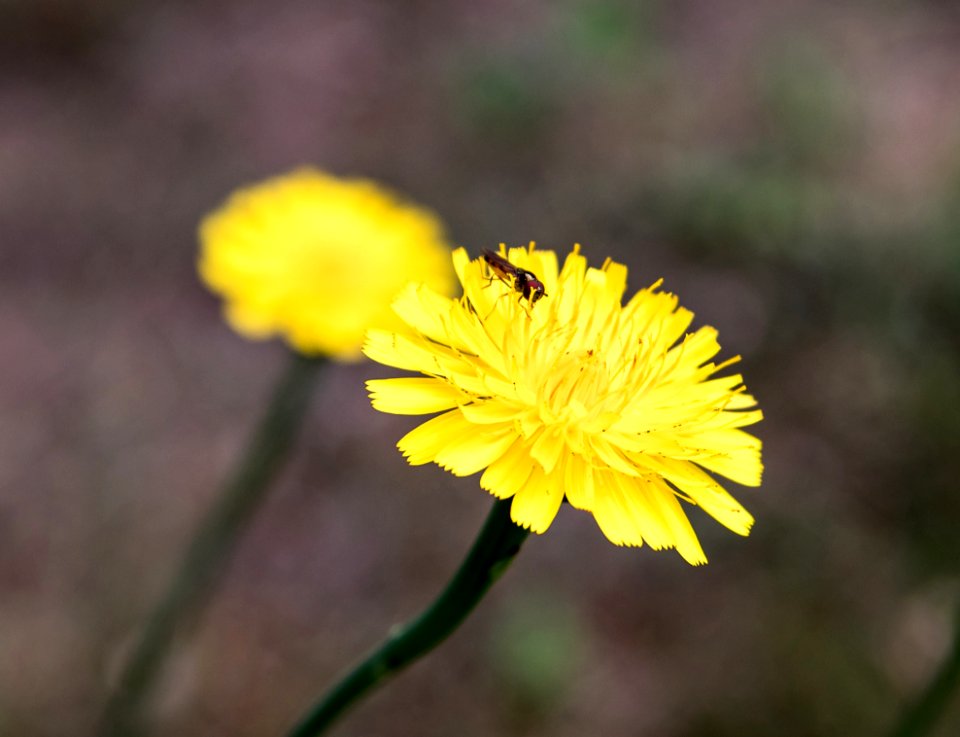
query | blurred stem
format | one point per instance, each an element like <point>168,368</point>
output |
<point>494,549</point>
<point>213,543</point>
<point>922,715</point>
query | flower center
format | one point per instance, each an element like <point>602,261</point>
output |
<point>576,388</point>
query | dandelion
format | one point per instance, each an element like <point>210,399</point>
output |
<point>559,392</point>
<point>614,407</point>
<point>317,259</point>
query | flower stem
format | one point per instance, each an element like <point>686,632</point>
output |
<point>922,715</point>
<point>494,549</point>
<point>212,545</point>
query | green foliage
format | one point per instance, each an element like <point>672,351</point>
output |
<point>536,650</point>
<point>806,105</point>
<point>612,30</point>
<point>504,101</point>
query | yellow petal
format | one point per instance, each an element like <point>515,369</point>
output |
<point>414,353</point>
<point>250,322</point>
<point>699,347</point>
<point>424,310</point>
<point>703,490</point>
<point>399,351</point>
<point>413,396</point>
<point>474,450</point>
<point>611,514</point>
<point>730,420</point>
<point>645,517</point>
<point>631,511</point>
<point>681,533</point>
<point>616,280</point>
<point>612,457</point>
<point>508,474</point>
<point>741,400</point>
<point>731,453</point>
<point>536,505</point>
<point>548,447</point>
<point>461,262</point>
<point>577,481</point>
<point>566,301</point>
<point>544,265</point>
<point>488,412</point>
<point>422,444</point>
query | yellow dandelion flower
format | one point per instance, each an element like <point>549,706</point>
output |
<point>318,259</point>
<point>614,407</point>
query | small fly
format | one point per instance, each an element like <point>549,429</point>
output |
<point>520,280</point>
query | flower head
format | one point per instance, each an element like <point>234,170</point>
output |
<point>318,259</point>
<point>614,407</point>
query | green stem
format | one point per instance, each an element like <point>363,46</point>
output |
<point>212,545</point>
<point>922,715</point>
<point>494,549</point>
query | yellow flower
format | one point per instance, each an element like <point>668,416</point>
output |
<point>317,259</point>
<point>613,407</point>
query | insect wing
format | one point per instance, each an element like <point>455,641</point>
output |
<point>503,268</point>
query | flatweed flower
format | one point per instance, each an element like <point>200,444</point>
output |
<point>318,259</point>
<point>614,407</point>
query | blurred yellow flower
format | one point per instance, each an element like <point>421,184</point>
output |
<point>609,405</point>
<point>318,259</point>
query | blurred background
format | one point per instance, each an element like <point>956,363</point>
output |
<point>791,168</point>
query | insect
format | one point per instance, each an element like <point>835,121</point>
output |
<point>520,280</point>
